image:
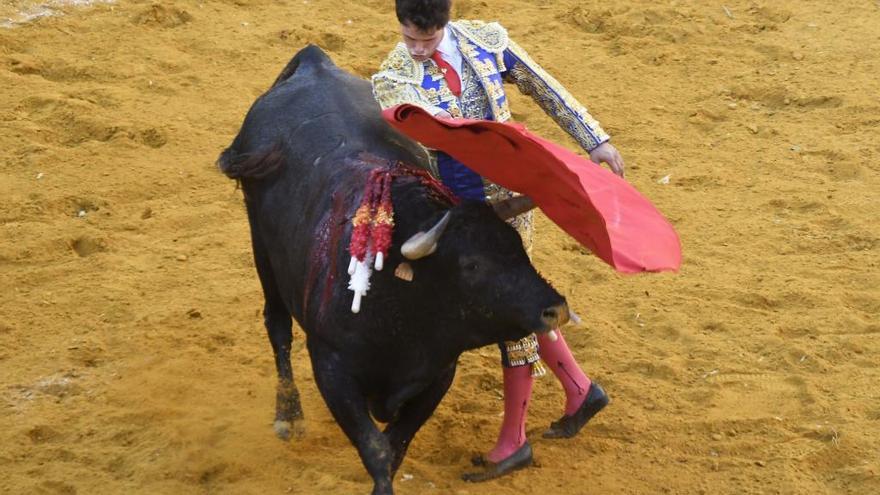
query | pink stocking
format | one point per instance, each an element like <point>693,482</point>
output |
<point>517,392</point>
<point>558,357</point>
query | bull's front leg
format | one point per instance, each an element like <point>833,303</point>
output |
<point>413,415</point>
<point>348,404</point>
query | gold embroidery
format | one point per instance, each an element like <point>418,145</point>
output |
<point>467,50</point>
<point>504,113</point>
<point>400,66</point>
<point>548,93</point>
<point>396,83</point>
<point>399,80</point>
<point>499,59</point>
<point>454,109</point>
<point>500,112</point>
<point>495,90</point>
<point>390,93</point>
<point>523,351</point>
<point>484,68</point>
<point>538,369</point>
<point>474,101</point>
<point>488,36</point>
<point>434,71</point>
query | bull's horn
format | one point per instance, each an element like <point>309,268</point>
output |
<point>424,243</point>
<point>512,207</point>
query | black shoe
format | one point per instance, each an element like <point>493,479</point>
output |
<point>569,426</point>
<point>522,458</point>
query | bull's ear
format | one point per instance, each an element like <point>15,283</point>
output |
<point>422,244</point>
<point>512,207</point>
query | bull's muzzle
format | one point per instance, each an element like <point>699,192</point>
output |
<point>555,316</point>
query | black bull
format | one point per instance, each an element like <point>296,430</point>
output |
<point>297,157</point>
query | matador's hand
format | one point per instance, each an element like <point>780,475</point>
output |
<point>607,153</point>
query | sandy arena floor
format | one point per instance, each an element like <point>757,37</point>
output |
<point>132,354</point>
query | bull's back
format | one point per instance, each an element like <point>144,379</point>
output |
<point>292,156</point>
<point>319,111</point>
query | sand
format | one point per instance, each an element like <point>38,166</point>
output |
<point>132,353</point>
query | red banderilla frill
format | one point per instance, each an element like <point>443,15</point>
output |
<point>373,223</point>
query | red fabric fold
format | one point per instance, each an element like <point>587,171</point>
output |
<point>601,211</point>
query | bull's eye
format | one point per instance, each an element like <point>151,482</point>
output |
<point>470,264</point>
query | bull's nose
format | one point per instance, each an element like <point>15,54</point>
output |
<point>555,316</point>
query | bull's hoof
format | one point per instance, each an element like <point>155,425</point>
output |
<point>569,426</point>
<point>285,430</point>
<point>520,459</point>
<point>383,488</point>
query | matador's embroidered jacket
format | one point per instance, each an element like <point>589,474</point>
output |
<point>489,59</point>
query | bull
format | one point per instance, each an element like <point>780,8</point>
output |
<point>299,160</point>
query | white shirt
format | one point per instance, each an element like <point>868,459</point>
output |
<point>449,51</point>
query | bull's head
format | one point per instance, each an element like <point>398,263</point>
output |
<point>474,253</point>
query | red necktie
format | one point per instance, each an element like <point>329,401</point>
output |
<point>452,78</point>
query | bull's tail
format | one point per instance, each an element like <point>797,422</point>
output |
<point>257,165</point>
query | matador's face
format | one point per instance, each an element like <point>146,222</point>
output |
<point>421,43</point>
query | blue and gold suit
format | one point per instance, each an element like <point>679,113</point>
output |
<point>489,58</point>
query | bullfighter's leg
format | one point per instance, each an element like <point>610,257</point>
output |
<point>512,451</point>
<point>519,362</point>
<point>288,411</point>
<point>583,398</point>
<point>413,415</point>
<point>346,401</point>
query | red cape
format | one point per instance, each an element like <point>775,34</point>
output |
<point>600,210</point>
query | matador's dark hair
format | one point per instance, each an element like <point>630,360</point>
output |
<point>423,14</point>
